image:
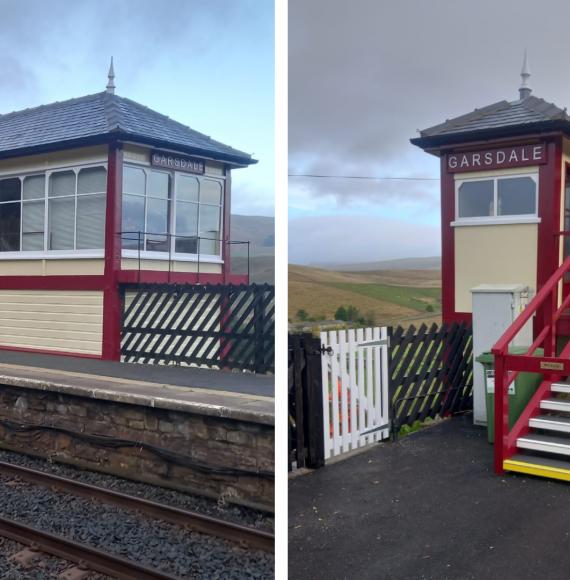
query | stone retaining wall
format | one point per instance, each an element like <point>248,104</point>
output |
<point>206,442</point>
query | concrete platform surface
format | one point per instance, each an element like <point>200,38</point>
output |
<point>199,400</point>
<point>172,375</point>
<point>428,507</point>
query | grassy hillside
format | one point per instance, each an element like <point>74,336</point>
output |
<point>386,296</point>
<point>431,263</point>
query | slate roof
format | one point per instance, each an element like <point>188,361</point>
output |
<point>99,117</point>
<point>515,117</point>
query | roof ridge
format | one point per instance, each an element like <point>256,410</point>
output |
<point>539,105</point>
<point>112,111</point>
<point>38,107</point>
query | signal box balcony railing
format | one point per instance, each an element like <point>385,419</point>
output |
<point>546,308</point>
<point>175,248</point>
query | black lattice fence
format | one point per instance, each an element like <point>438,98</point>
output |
<point>305,418</point>
<point>212,325</point>
<point>431,372</point>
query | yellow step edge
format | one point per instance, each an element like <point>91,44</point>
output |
<point>538,470</point>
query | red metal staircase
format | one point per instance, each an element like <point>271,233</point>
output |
<point>539,442</point>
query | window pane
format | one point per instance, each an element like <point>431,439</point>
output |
<point>475,199</point>
<point>61,223</point>
<point>158,184</point>
<point>35,187</point>
<point>62,183</point>
<point>92,180</point>
<point>187,225</point>
<point>91,222</point>
<point>209,228</point>
<point>133,180</point>
<point>210,192</point>
<point>10,227</point>
<point>156,224</point>
<point>133,220</point>
<point>33,225</point>
<point>516,196</point>
<point>10,189</point>
<point>187,188</point>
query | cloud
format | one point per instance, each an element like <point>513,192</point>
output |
<point>365,76</point>
<point>346,239</point>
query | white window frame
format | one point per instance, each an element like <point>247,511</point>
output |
<point>497,219</point>
<point>173,255</point>
<point>52,254</point>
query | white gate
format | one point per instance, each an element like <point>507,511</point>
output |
<point>355,388</point>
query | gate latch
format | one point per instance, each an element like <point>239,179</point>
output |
<point>326,350</point>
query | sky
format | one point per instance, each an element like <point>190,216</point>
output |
<point>208,65</point>
<point>365,76</point>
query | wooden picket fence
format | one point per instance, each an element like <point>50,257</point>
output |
<point>209,325</point>
<point>373,381</point>
<point>305,417</point>
<point>431,372</point>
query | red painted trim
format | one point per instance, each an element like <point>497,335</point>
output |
<point>447,244</point>
<point>51,352</point>
<point>549,192</point>
<point>52,283</point>
<point>226,250</point>
<point>158,277</point>
<point>111,347</point>
<point>460,317</point>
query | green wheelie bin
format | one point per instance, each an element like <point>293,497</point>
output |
<point>520,391</point>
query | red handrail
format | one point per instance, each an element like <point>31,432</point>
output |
<point>505,372</point>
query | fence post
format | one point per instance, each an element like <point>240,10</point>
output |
<point>258,325</point>
<point>298,355</point>
<point>314,402</point>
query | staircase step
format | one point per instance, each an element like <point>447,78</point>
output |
<point>553,404</point>
<point>560,388</point>
<point>551,423</point>
<point>539,466</point>
<point>545,443</point>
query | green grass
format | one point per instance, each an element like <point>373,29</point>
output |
<point>407,296</point>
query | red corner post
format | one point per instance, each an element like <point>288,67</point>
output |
<point>501,414</point>
<point>111,296</point>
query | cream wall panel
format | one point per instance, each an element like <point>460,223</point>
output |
<point>52,267</point>
<point>52,320</point>
<point>162,266</point>
<point>138,154</point>
<point>496,254</point>
<point>74,267</point>
<point>213,168</point>
<point>21,267</point>
<point>52,160</point>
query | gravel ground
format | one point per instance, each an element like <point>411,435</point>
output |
<point>178,552</point>
<point>227,511</point>
<point>44,568</point>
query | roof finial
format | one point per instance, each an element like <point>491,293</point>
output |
<point>111,83</point>
<point>524,90</point>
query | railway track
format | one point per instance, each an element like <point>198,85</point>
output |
<point>87,557</point>
<point>197,522</point>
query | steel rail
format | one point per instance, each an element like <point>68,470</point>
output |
<point>192,520</point>
<point>93,558</point>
